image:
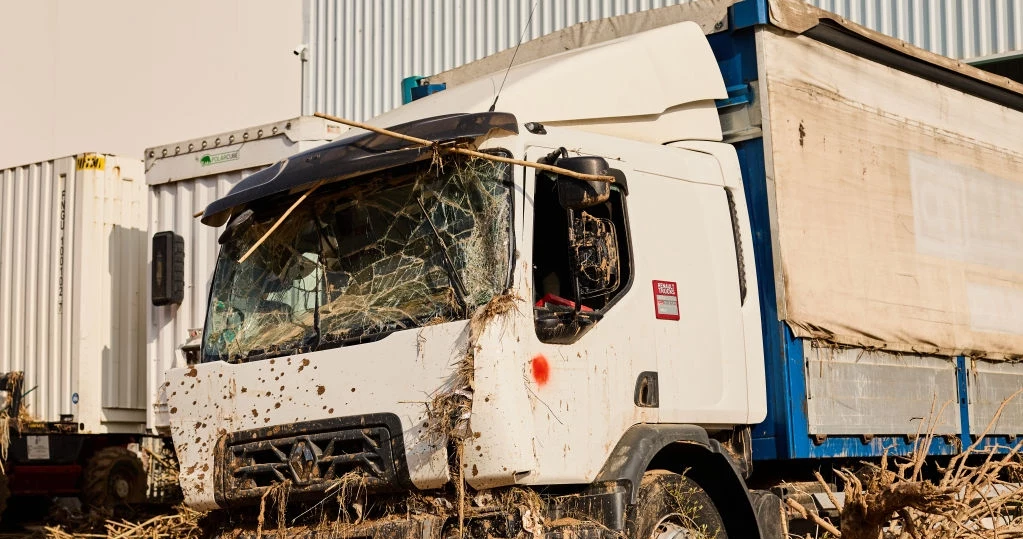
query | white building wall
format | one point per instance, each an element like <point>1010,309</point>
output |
<point>118,76</point>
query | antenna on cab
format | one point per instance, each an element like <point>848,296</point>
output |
<point>510,64</point>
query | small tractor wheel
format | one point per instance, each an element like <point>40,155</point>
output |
<point>672,506</point>
<point>114,477</point>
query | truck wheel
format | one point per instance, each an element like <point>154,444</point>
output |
<point>672,506</point>
<point>113,477</point>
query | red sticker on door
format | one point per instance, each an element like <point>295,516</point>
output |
<point>666,300</point>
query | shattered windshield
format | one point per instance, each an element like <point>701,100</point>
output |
<point>403,248</point>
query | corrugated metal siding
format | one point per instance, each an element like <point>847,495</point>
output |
<point>964,29</point>
<point>360,51</point>
<point>70,263</point>
<point>33,330</point>
<point>111,241</point>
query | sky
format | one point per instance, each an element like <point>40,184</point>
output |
<point>118,76</point>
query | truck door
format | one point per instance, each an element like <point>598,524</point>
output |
<point>660,338</point>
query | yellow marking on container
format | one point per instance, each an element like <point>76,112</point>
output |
<point>90,161</point>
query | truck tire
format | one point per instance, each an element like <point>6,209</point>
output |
<point>672,506</point>
<point>113,477</point>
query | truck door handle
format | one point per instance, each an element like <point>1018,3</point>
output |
<point>647,395</point>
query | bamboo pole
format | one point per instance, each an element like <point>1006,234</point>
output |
<point>472,153</point>
<point>280,220</point>
<point>421,142</point>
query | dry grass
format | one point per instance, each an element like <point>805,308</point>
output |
<point>977,495</point>
<point>15,380</point>
<point>278,496</point>
<point>450,408</point>
<point>184,523</point>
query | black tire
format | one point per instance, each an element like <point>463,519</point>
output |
<point>670,505</point>
<point>113,478</point>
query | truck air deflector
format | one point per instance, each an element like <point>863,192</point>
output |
<point>354,156</point>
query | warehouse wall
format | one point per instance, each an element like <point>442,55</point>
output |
<point>358,52</point>
<point>963,29</point>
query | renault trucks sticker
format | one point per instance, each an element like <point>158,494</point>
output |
<point>666,300</point>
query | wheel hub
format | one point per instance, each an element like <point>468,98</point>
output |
<point>121,487</point>
<point>668,528</point>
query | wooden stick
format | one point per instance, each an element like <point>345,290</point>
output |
<point>466,151</point>
<point>280,220</point>
<point>422,142</point>
<point>813,516</point>
<point>827,490</point>
<point>156,457</point>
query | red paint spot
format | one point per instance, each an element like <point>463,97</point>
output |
<point>541,369</point>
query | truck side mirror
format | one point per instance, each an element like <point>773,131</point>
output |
<point>168,279</point>
<point>576,194</point>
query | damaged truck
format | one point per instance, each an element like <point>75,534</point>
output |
<point>639,280</point>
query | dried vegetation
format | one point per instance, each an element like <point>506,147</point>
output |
<point>978,494</point>
<point>183,523</point>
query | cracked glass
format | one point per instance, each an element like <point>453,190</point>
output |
<point>397,249</point>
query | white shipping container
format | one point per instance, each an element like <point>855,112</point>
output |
<point>72,255</point>
<point>183,179</point>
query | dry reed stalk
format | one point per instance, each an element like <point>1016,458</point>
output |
<point>894,500</point>
<point>184,523</point>
<point>467,151</point>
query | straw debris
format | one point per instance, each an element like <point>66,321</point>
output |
<point>977,495</point>
<point>450,408</point>
<point>183,523</point>
<point>15,380</point>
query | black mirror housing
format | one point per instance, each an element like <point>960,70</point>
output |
<point>168,277</point>
<point>576,194</point>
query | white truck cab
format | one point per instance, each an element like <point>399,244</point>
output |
<point>680,248</point>
<point>424,320</point>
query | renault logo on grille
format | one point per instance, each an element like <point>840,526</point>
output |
<point>302,461</point>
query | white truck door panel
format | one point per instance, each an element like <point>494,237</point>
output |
<point>681,232</point>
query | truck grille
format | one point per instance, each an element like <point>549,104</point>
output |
<point>314,456</point>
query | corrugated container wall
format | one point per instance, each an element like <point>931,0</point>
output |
<point>962,29</point>
<point>72,255</point>
<point>183,179</point>
<point>358,52</point>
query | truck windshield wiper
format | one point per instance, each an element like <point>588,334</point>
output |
<point>456,280</point>
<point>277,351</point>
